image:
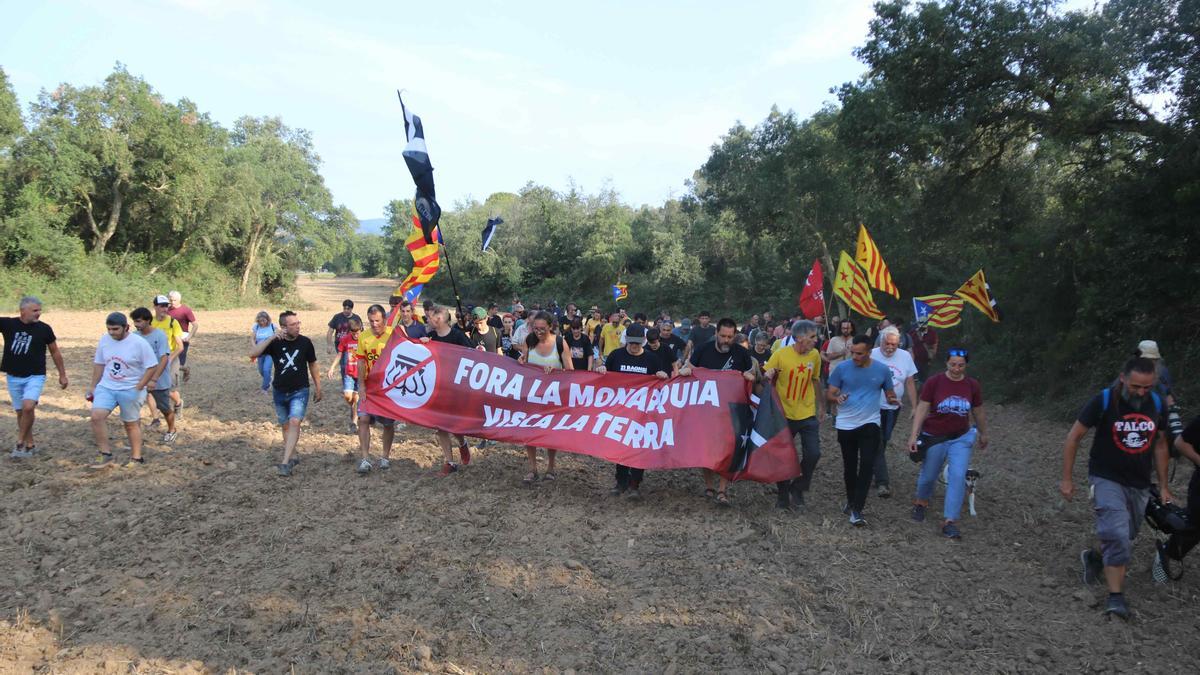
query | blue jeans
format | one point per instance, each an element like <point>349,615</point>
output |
<point>958,454</point>
<point>264,369</point>
<point>887,423</point>
<point>290,404</point>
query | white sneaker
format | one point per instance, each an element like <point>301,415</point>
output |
<point>20,453</point>
<point>384,464</point>
<point>364,466</point>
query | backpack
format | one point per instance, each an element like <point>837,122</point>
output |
<point>1106,396</point>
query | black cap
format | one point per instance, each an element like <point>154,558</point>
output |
<point>635,333</point>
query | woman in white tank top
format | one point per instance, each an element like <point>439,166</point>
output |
<point>546,349</point>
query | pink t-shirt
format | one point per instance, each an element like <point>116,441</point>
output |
<point>950,404</point>
<point>184,315</point>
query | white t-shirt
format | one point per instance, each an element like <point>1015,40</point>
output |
<point>902,367</point>
<point>124,361</point>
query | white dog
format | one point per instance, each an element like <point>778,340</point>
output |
<point>973,476</point>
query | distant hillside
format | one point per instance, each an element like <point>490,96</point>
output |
<point>372,225</point>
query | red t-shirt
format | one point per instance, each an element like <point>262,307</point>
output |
<point>950,404</point>
<point>184,315</point>
<point>348,345</point>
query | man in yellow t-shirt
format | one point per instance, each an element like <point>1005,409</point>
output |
<point>796,372</point>
<point>370,345</point>
<point>174,332</point>
<point>610,334</point>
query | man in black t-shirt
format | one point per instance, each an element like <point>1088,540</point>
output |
<point>1179,543</point>
<point>703,332</point>
<point>677,345</point>
<point>656,346</point>
<point>580,345</point>
<point>483,337</point>
<point>719,354</point>
<point>493,317</point>
<point>634,359</point>
<point>26,341</point>
<point>295,361</point>
<point>441,330</point>
<point>1129,419</point>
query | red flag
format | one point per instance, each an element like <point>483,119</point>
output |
<point>635,420</point>
<point>812,298</point>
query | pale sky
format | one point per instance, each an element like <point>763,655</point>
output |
<point>630,95</point>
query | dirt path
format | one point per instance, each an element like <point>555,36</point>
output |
<point>205,561</point>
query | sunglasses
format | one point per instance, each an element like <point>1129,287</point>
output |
<point>957,352</point>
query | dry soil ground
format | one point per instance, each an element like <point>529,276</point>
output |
<point>204,561</point>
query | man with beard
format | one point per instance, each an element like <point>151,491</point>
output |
<point>1129,442</point>
<point>719,353</point>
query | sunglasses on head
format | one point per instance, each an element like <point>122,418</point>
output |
<point>957,352</point>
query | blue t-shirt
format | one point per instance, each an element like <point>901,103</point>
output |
<point>416,330</point>
<point>158,342</point>
<point>862,387</point>
<point>263,332</point>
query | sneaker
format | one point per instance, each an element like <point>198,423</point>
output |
<point>783,503</point>
<point>918,513</point>
<point>103,459</point>
<point>293,461</point>
<point>447,469</point>
<point>616,490</point>
<point>283,469</point>
<point>364,466</point>
<point>134,462</point>
<point>384,464</point>
<point>634,494</point>
<point>857,520</point>
<point>1092,566</point>
<point>1116,606</point>
<point>1161,571</point>
<point>20,453</point>
<point>156,423</point>
<point>464,453</point>
<point>170,436</point>
<point>845,508</point>
<point>883,492</point>
<point>950,531</point>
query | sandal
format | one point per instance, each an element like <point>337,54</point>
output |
<point>529,478</point>
<point>710,494</point>
<point>723,499</point>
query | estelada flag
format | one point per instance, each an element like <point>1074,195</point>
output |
<point>977,292</point>
<point>702,420</point>
<point>850,284</point>
<point>867,254</point>
<point>812,298</point>
<point>939,310</point>
<point>426,258</point>
<point>620,291</point>
<point>416,156</point>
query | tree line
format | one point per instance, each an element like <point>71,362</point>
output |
<point>1058,150</point>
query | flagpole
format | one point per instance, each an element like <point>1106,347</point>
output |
<point>453,284</point>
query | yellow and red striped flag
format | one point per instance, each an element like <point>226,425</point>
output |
<point>850,284</point>
<point>867,254</point>
<point>940,310</point>
<point>977,292</point>
<point>426,257</point>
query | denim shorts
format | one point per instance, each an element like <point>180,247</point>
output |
<point>349,383</point>
<point>130,401</point>
<point>290,404</point>
<point>25,389</point>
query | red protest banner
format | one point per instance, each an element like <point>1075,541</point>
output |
<point>636,420</point>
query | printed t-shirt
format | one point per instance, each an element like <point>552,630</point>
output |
<point>794,381</point>
<point>622,361</point>
<point>902,367</point>
<point>610,336</point>
<point>370,346</point>
<point>158,342</point>
<point>348,348</point>
<point>340,323</point>
<point>707,356</point>
<point>490,340</point>
<point>1122,447</point>
<point>25,346</point>
<point>581,349</point>
<point>862,387</point>
<point>950,404</point>
<point>125,361</point>
<point>290,359</point>
<point>170,327</point>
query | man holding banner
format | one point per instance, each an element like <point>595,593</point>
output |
<point>441,330</point>
<point>795,371</point>
<point>633,358</point>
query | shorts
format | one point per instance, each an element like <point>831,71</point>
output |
<point>290,405</point>
<point>372,419</point>
<point>130,401</point>
<point>162,400</point>
<point>349,384</point>
<point>174,367</point>
<point>25,389</point>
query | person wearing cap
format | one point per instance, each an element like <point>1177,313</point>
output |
<point>684,331</point>
<point>632,358</point>
<point>482,336</point>
<point>122,368</point>
<point>170,327</point>
<point>187,321</point>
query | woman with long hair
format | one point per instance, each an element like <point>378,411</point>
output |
<point>261,330</point>
<point>546,349</point>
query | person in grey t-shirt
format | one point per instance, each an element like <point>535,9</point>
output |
<point>160,383</point>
